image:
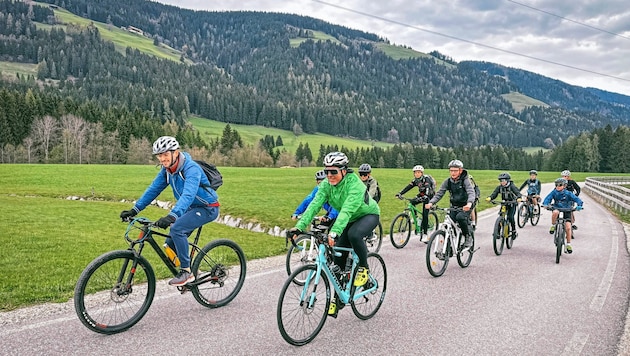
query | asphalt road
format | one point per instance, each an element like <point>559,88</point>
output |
<point>519,303</point>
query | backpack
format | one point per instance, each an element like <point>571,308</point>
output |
<point>211,171</point>
<point>433,186</point>
<point>377,196</point>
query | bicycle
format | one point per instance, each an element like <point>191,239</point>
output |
<point>305,250</point>
<point>527,210</point>
<point>503,234</point>
<point>305,296</point>
<point>560,234</point>
<point>447,241</point>
<point>117,288</point>
<point>400,230</point>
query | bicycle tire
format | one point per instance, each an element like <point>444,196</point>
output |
<point>300,257</point>
<point>559,237</point>
<point>298,321</point>
<point>374,242</point>
<point>102,298</point>
<point>436,255</point>
<point>400,230</point>
<point>219,268</point>
<point>433,223</point>
<point>497,237</point>
<point>366,306</point>
<point>523,215</point>
<point>508,234</point>
<point>535,217</point>
<point>464,256</point>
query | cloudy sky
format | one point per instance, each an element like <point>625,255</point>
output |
<point>581,42</point>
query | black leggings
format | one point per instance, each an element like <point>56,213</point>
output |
<point>352,236</point>
<point>462,218</point>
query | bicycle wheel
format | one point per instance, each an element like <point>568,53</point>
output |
<point>108,298</point>
<point>437,254</point>
<point>535,217</point>
<point>559,237</point>
<point>375,241</point>
<point>465,255</point>
<point>400,231</point>
<point>302,310</point>
<point>433,223</point>
<point>497,237</point>
<point>365,306</point>
<point>219,269</point>
<point>508,234</point>
<point>523,215</point>
<point>306,253</point>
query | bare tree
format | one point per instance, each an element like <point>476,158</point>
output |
<point>139,151</point>
<point>43,130</point>
<point>73,133</point>
<point>28,143</point>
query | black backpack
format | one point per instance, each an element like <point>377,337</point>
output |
<point>472,182</point>
<point>211,171</point>
<point>377,196</point>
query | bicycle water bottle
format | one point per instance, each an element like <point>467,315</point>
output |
<point>171,255</point>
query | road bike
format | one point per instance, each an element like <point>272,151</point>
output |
<point>527,210</point>
<point>503,234</point>
<point>117,288</point>
<point>400,230</point>
<point>306,295</point>
<point>447,241</point>
<point>560,233</point>
<point>305,249</point>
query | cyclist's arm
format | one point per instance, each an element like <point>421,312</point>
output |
<point>372,187</point>
<point>538,187</point>
<point>515,191</point>
<point>548,198</point>
<point>523,185</point>
<point>304,204</point>
<point>440,192</point>
<point>577,188</point>
<point>495,192</point>
<point>406,188</point>
<point>189,187</point>
<point>157,186</point>
<point>331,213</point>
<point>314,206</point>
<point>353,200</point>
<point>470,190</point>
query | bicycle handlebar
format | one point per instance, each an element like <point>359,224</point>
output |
<point>504,202</point>
<point>562,210</point>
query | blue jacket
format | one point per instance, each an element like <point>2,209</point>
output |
<point>330,211</point>
<point>186,182</point>
<point>563,199</point>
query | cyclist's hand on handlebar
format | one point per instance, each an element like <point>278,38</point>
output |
<point>332,239</point>
<point>399,196</point>
<point>165,221</point>
<point>579,207</point>
<point>293,233</point>
<point>519,200</point>
<point>126,214</point>
<point>294,217</point>
<point>428,205</point>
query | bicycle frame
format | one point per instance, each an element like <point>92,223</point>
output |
<point>453,233</point>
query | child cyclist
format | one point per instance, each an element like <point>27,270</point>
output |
<point>562,199</point>
<point>509,192</point>
<point>533,187</point>
<point>426,191</point>
<point>331,213</point>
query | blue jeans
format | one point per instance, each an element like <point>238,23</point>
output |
<point>184,226</point>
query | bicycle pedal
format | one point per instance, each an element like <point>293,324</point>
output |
<point>182,289</point>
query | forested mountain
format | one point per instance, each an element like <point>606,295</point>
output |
<point>247,71</point>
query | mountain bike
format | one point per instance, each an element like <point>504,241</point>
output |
<point>447,241</point>
<point>560,233</point>
<point>527,210</point>
<point>117,288</point>
<point>306,295</point>
<point>305,249</point>
<point>502,233</point>
<point>400,230</point>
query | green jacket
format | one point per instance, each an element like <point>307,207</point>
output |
<point>348,197</point>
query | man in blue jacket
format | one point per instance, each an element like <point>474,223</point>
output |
<point>562,199</point>
<point>197,203</point>
<point>331,213</point>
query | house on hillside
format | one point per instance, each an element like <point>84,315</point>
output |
<point>135,30</point>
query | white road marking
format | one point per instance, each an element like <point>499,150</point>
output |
<point>604,286</point>
<point>575,345</point>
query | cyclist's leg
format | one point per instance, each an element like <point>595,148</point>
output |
<point>184,226</point>
<point>567,226</point>
<point>356,231</point>
<point>463,219</point>
<point>510,214</point>
<point>424,226</point>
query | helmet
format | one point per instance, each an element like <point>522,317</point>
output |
<point>365,168</point>
<point>455,163</point>
<point>565,173</point>
<point>336,159</point>
<point>320,175</point>
<point>504,175</point>
<point>560,181</point>
<point>165,144</point>
<point>418,168</point>
<point>533,171</point>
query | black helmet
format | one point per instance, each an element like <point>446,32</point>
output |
<point>504,175</point>
<point>365,168</point>
<point>533,171</point>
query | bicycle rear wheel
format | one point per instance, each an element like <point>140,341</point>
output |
<point>108,298</point>
<point>433,223</point>
<point>306,253</point>
<point>302,309</point>
<point>559,237</point>
<point>219,269</point>
<point>465,255</point>
<point>497,237</point>
<point>437,255</point>
<point>367,305</point>
<point>400,231</point>
<point>375,241</point>
<point>535,217</point>
<point>523,215</point>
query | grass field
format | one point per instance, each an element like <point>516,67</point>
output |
<point>45,232</point>
<point>520,101</point>
<point>317,36</point>
<point>13,68</point>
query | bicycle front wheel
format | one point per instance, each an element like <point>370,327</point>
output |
<point>437,253</point>
<point>219,269</point>
<point>114,292</point>
<point>433,223</point>
<point>304,254</point>
<point>400,231</point>
<point>365,306</point>
<point>523,215</point>
<point>535,217</point>
<point>302,309</point>
<point>559,237</point>
<point>465,255</point>
<point>497,237</point>
<point>508,234</point>
<point>374,241</point>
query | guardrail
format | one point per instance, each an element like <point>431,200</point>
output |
<point>610,191</point>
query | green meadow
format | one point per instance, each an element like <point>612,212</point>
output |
<point>49,239</point>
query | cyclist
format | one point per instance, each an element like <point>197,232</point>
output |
<point>426,191</point>
<point>197,203</point>
<point>533,187</point>
<point>331,213</point>
<point>508,192</point>
<point>365,173</point>
<point>462,196</point>
<point>562,199</point>
<point>358,215</point>
<point>574,188</point>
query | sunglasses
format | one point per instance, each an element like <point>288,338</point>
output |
<point>363,174</point>
<point>332,172</point>
<point>503,180</point>
<point>559,185</point>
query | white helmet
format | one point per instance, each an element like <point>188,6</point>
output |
<point>320,175</point>
<point>418,168</point>
<point>336,159</point>
<point>165,144</point>
<point>455,163</point>
<point>566,173</point>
